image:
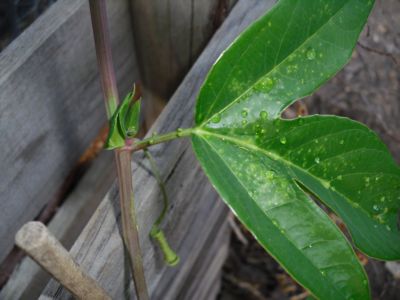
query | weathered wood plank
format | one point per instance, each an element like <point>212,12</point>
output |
<point>169,36</point>
<point>50,105</point>
<point>194,212</point>
<point>165,33</point>
<point>203,283</point>
<point>206,16</point>
<point>28,279</point>
<point>185,237</point>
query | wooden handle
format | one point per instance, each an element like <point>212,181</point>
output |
<point>46,250</point>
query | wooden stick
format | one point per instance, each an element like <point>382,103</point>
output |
<point>46,250</point>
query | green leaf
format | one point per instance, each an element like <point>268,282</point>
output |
<point>264,166</point>
<point>282,57</point>
<point>131,118</point>
<point>290,226</point>
<point>124,123</point>
<point>340,161</point>
<point>116,138</point>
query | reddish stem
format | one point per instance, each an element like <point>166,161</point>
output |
<point>122,157</point>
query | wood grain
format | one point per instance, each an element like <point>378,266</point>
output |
<point>28,279</point>
<point>196,216</point>
<point>169,36</point>
<point>37,241</point>
<point>51,105</point>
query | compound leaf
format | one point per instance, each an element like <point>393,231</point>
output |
<point>264,166</point>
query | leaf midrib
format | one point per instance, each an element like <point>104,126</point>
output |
<point>274,67</point>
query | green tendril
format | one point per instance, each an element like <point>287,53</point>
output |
<point>170,257</point>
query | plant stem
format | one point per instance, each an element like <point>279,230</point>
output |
<point>161,184</point>
<point>122,157</point>
<point>162,138</point>
<point>104,56</point>
<point>129,224</point>
<point>170,257</point>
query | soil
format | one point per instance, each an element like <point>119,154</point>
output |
<point>367,90</point>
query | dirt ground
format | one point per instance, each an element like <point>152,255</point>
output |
<point>367,90</point>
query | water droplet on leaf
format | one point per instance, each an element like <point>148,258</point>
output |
<point>311,54</point>
<point>376,207</point>
<point>283,140</point>
<point>317,160</point>
<point>269,174</point>
<point>216,119</point>
<point>264,115</point>
<point>265,85</point>
<point>244,113</point>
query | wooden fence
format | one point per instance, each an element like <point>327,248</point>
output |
<point>50,105</point>
<point>51,108</point>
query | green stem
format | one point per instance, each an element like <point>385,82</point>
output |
<point>162,138</point>
<point>170,256</point>
<point>161,184</point>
